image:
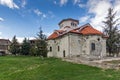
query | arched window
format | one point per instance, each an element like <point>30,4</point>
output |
<point>50,49</point>
<point>75,24</point>
<point>92,46</point>
<point>72,24</point>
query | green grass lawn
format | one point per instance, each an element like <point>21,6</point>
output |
<point>34,68</point>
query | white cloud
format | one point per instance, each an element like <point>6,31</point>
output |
<point>63,2</point>
<point>9,3</point>
<point>99,9</point>
<point>44,16</point>
<point>54,2</point>
<point>81,5</point>
<point>1,19</point>
<point>38,12</point>
<point>117,8</point>
<point>20,39</point>
<point>30,38</point>
<point>76,1</point>
<point>0,33</point>
<point>84,19</point>
<point>23,3</point>
<point>51,14</point>
<point>47,34</point>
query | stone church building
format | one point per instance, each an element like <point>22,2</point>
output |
<point>71,40</point>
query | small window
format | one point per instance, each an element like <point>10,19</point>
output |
<point>50,49</point>
<point>72,24</point>
<point>75,24</point>
<point>58,48</point>
<point>98,39</point>
<point>92,46</point>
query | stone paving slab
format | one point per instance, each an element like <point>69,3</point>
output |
<point>103,63</point>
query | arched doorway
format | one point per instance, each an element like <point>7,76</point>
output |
<point>95,48</point>
<point>64,53</point>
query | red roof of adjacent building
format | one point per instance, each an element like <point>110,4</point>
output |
<point>84,30</point>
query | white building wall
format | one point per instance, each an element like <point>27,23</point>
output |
<point>104,47</point>
<point>51,44</point>
<point>99,45</point>
<point>75,46</point>
<point>62,42</point>
<point>82,45</point>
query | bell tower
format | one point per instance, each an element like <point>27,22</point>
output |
<point>68,23</point>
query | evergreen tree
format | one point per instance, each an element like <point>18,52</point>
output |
<point>14,47</point>
<point>41,44</point>
<point>25,48</point>
<point>33,51</point>
<point>111,30</point>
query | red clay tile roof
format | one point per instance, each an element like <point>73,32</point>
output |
<point>90,30</point>
<point>56,34</point>
<point>53,36</point>
<point>84,30</point>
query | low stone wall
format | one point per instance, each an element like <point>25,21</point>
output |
<point>97,63</point>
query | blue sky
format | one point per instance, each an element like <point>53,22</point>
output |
<point>24,17</point>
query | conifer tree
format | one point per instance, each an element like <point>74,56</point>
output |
<point>41,44</point>
<point>112,31</point>
<point>25,47</point>
<point>14,47</point>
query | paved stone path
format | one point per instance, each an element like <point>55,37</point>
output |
<point>97,63</point>
<point>107,59</point>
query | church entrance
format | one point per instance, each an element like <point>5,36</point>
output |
<point>96,48</point>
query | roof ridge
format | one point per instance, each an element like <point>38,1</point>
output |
<point>81,27</point>
<point>85,25</point>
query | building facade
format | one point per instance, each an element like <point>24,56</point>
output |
<point>71,40</point>
<point>4,46</point>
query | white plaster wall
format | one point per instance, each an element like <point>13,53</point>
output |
<point>104,47</point>
<point>94,38</point>
<point>51,44</point>
<point>82,44</point>
<point>75,46</point>
<point>62,42</point>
